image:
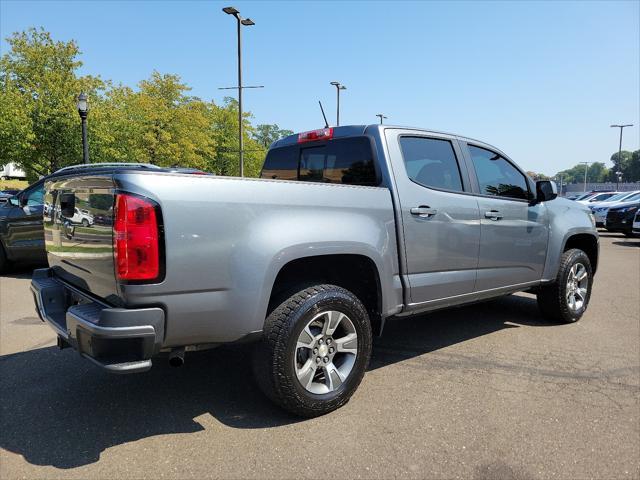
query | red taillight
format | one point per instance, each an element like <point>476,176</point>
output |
<point>313,135</point>
<point>136,239</point>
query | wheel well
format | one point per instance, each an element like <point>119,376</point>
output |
<point>356,273</point>
<point>588,244</point>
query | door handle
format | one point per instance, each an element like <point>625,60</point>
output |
<point>494,215</point>
<point>423,211</point>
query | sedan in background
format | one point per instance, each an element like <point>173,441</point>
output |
<point>596,197</point>
<point>600,209</point>
<point>635,228</point>
<point>620,219</point>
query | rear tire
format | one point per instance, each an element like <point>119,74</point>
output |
<point>85,222</point>
<point>314,351</point>
<point>567,298</point>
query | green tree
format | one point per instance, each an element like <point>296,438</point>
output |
<point>39,130</point>
<point>597,172</point>
<point>633,170</point>
<point>625,164</point>
<point>266,134</point>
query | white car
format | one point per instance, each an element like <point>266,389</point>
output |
<point>596,197</point>
<point>600,210</point>
<point>635,228</point>
<point>81,216</point>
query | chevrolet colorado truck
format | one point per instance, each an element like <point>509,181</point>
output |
<point>347,227</point>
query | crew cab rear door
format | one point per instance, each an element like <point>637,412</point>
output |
<point>440,219</point>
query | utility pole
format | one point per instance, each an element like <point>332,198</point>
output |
<point>619,169</point>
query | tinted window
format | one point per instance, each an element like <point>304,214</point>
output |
<point>431,162</point>
<point>36,196</point>
<point>281,163</point>
<point>497,176</point>
<point>347,160</point>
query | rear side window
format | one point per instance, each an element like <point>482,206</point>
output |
<point>431,162</point>
<point>344,160</point>
<point>281,163</point>
<point>497,176</point>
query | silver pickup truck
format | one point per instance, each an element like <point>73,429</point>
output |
<point>347,227</point>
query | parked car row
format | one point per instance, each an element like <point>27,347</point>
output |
<point>612,210</point>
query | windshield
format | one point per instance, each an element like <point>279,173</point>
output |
<point>584,196</point>
<point>617,196</point>
<point>635,196</point>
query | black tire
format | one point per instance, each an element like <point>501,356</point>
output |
<point>275,355</point>
<point>4,263</point>
<point>85,222</point>
<point>628,234</point>
<point>552,299</point>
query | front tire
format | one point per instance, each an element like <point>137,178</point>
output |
<point>315,350</point>
<point>85,222</point>
<point>567,298</point>
<point>4,263</point>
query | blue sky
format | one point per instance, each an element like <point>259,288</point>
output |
<point>541,80</point>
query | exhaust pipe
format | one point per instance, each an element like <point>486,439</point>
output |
<point>176,357</point>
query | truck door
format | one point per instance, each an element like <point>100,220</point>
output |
<point>514,234</point>
<point>25,236</point>
<point>440,217</point>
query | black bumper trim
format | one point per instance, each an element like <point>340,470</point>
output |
<point>118,340</point>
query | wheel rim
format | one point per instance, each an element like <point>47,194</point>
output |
<point>326,352</point>
<point>577,286</point>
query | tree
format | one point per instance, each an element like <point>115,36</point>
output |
<point>625,164</point>
<point>39,85</point>
<point>266,134</point>
<point>596,172</point>
<point>633,170</point>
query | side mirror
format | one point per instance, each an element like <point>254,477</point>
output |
<point>15,201</point>
<point>546,190</point>
<point>67,204</point>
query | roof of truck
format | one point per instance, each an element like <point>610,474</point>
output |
<point>353,130</point>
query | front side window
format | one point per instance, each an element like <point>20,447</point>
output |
<point>36,196</point>
<point>497,176</point>
<point>431,162</point>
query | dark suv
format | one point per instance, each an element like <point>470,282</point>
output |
<point>620,219</point>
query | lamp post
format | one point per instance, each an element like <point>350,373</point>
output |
<point>83,110</point>
<point>621,127</point>
<point>246,22</point>
<point>586,169</point>
<point>339,87</point>
<point>381,116</point>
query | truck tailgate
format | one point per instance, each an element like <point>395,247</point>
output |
<point>78,222</point>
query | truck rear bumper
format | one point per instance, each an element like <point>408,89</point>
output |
<point>119,340</point>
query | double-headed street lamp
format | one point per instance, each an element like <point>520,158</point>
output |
<point>83,110</point>
<point>381,116</point>
<point>246,22</point>
<point>339,87</point>
<point>618,173</point>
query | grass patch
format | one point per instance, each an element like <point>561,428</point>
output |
<point>13,184</point>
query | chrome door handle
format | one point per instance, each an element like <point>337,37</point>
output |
<point>423,211</point>
<point>494,215</point>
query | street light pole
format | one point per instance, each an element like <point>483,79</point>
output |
<point>586,169</point>
<point>381,116</point>
<point>621,127</point>
<point>247,22</point>
<point>83,111</point>
<point>339,87</point>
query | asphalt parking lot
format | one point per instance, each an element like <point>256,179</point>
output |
<point>486,391</point>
